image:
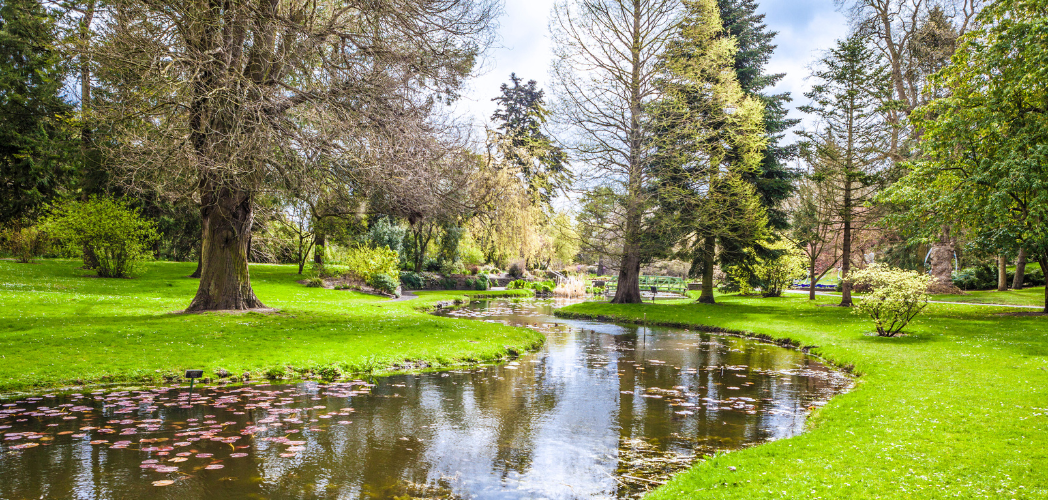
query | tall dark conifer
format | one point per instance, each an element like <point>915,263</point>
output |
<point>772,179</point>
<point>34,142</point>
<point>521,116</point>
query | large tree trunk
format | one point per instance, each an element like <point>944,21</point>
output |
<point>1020,270</point>
<point>1002,273</point>
<point>846,298</point>
<point>708,251</point>
<point>627,290</point>
<point>224,280</point>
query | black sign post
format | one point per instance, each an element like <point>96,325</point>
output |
<point>192,375</point>
<point>654,290</point>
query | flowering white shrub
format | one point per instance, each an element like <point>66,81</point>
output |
<point>895,298</point>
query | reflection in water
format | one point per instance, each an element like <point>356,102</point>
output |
<point>602,411</point>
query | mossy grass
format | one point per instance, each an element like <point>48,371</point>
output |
<point>957,408</point>
<point>61,326</point>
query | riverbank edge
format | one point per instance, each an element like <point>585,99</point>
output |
<point>786,342</point>
<point>427,303</point>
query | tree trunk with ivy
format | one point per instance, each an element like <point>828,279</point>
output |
<point>225,283</point>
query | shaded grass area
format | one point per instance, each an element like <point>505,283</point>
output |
<point>956,409</point>
<point>58,326</point>
<point>1033,296</point>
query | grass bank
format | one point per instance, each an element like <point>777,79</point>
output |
<point>956,409</point>
<point>59,326</point>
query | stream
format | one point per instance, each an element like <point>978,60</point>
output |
<point>600,411</point>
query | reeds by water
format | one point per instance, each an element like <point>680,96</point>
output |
<point>571,287</point>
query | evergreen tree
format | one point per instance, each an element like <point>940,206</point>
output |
<point>709,136</point>
<point>521,115</point>
<point>772,179</point>
<point>34,142</point>
<point>848,97</point>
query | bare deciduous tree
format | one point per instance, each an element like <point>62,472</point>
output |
<point>605,68</point>
<point>221,97</point>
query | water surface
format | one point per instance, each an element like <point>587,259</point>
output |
<point>601,411</point>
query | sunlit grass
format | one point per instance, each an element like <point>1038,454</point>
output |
<point>957,408</point>
<point>59,326</point>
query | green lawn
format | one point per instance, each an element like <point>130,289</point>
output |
<point>1033,296</point>
<point>956,409</point>
<point>58,326</point>
<point>1026,297</point>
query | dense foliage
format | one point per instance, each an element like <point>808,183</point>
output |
<point>117,235</point>
<point>26,243</point>
<point>35,141</point>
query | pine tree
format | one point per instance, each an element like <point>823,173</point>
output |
<point>772,179</point>
<point>34,143</point>
<point>709,138</point>
<point>521,116</point>
<point>851,86</point>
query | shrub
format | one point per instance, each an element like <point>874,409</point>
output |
<point>315,282</point>
<point>412,281</point>
<point>516,270</point>
<point>895,298</point>
<point>774,274</point>
<point>449,283</point>
<point>482,282</point>
<point>517,285</point>
<point>25,243</point>
<point>363,262</point>
<point>384,283</point>
<point>471,284</point>
<point>119,237</point>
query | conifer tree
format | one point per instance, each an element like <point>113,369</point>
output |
<point>772,178</point>
<point>33,139</point>
<point>521,116</point>
<point>709,137</point>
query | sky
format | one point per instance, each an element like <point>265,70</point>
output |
<point>805,27</point>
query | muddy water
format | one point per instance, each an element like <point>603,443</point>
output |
<point>602,411</point>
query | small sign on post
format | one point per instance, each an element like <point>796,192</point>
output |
<point>654,290</point>
<point>192,375</point>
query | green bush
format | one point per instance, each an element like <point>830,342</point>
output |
<point>895,298</point>
<point>119,237</point>
<point>412,281</point>
<point>363,262</point>
<point>315,282</point>
<point>384,283</point>
<point>25,243</point>
<point>449,283</point>
<point>542,286</point>
<point>517,285</point>
<point>482,282</point>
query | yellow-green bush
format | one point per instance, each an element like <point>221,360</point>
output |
<point>897,296</point>
<point>363,263</point>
